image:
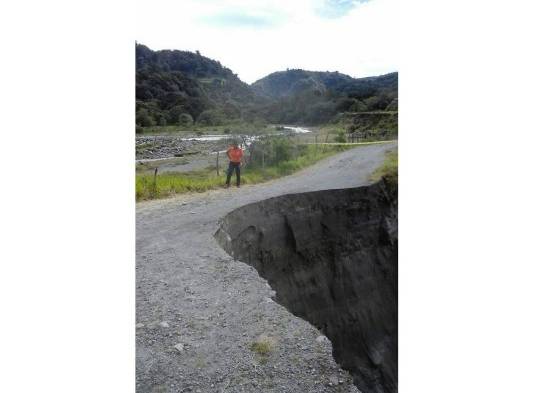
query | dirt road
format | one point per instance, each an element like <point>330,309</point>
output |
<point>199,311</point>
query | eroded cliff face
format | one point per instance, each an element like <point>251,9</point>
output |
<point>331,256</point>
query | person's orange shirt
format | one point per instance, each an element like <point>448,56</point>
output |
<point>235,155</point>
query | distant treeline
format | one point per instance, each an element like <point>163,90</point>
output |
<point>181,88</point>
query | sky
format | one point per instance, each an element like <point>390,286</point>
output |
<point>257,37</point>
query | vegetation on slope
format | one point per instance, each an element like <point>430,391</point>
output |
<point>181,88</point>
<point>308,97</point>
<point>389,168</point>
<point>184,89</point>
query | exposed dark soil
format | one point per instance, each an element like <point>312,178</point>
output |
<point>331,256</point>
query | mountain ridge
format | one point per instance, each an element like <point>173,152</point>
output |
<point>182,88</point>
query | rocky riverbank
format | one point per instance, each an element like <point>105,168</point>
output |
<point>156,147</point>
<point>166,146</point>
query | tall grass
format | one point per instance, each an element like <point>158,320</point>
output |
<point>389,168</point>
<point>168,184</point>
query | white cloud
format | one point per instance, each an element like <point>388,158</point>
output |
<point>337,8</point>
<point>363,42</point>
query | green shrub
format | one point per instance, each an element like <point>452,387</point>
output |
<point>144,119</point>
<point>185,119</point>
<point>281,150</point>
<point>263,346</point>
<point>340,137</point>
<point>173,115</point>
<point>210,118</point>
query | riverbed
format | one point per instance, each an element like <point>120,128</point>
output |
<point>188,152</point>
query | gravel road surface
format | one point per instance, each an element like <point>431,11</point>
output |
<point>199,312</point>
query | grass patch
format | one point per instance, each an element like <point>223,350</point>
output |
<point>168,184</point>
<point>389,168</point>
<point>263,347</point>
<point>151,165</point>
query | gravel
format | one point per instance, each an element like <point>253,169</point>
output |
<point>215,307</point>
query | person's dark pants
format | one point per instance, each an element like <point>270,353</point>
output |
<point>237,167</point>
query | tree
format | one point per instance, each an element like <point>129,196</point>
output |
<point>378,103</point>
<point>162,121</point>
<point>358,106</point>
<point>210,117</point>
<point>185,119</point>
<point>231,110</point>
<point>344,104</point>
<point>144,119</point>
<point>393,106</point>
<point>173,115</point>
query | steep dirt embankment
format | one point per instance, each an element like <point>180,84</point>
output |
<point>331,257</point>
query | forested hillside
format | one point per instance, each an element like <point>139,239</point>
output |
<point>292,82</point>
<point>177,87</point>
<point>181,88</point>
<point>316,97</point>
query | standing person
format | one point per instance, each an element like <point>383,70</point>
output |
<point>234,154</point>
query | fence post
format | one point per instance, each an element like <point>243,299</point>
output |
<point>218,154</point>
<point>263,160</point>
<point>325,143</point>
<point>316,145</point>
<point>155,177</point>
<point>251,154</point>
